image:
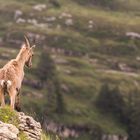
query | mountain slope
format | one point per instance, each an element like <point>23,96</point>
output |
<point>89,45</point>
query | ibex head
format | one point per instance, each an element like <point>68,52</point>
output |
<point>30,54</point>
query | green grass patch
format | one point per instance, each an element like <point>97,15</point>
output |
<point>23,136</point>
<point>8,116</point>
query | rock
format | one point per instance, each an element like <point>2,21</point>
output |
<point>65,15</point>
<point>66,133</point>
<point>60,61</point>
<point>29,126</point>
<point>18,13</point>
<point>124,67</point>
<point>65,87</point>
<point>90,22</point>
<point>32,21</point>
<point>12,128</point>
<point>138,58</point>
<point>50,19</point>
<point>20,20</point>
<point>39,7</point>
<point>42,25</point>
<point>8,132</point>
<point>90,26</point>
<point>69,22</point>
<point>58,26</point>
<point>1,40</point>
<point>114,137</point>
<point>133,34</point>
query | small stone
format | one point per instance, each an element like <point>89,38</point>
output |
<point>18,13</point>
<point>39,7</point>
<point>90,22</point>
<point>21,125</point>
<point>20,20</point>
<point>50,19</point>
<point>21,114</point>
<point>69,22</point>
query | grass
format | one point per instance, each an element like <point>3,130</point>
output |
<point>49,137</point>
<point>23,136</point>
<point>8,116</point>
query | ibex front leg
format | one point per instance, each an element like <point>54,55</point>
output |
<point>17,101</point>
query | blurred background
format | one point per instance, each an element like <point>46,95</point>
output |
<point>84,83</point>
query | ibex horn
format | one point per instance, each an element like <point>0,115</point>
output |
<point>33,46</point>
<point>27,41</point>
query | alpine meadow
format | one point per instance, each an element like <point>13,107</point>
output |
<point>84,83</point>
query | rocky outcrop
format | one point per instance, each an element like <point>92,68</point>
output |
<point>8,131</point>
<point>27,125</point>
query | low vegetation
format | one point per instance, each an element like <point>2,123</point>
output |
<point>8,116</point>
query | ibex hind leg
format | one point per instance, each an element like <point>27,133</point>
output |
<point>2,100</point>
<point>17,102</point>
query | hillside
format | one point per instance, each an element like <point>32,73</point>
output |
<point>91,43</point>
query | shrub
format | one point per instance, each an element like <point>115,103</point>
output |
<point>46,68</point>
<point>111,100</point>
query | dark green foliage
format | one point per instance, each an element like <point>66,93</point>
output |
<point>60,108</point>
<point>56,3</point>
<point>55,101</point>
<point>111,100</point>
<point>97,133</point>
<point>46,68</point>
<point>128,112</point>
<point>47,74</point>
<point>51,97</point>
<point>60,105</point>
<point>103,97</point>
<point>134,116</point>
<point>117,102</point>
<point>108,4</point>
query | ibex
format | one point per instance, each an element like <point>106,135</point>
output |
<point>12,74</point>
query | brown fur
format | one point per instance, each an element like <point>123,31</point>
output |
<point>13,72</point>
